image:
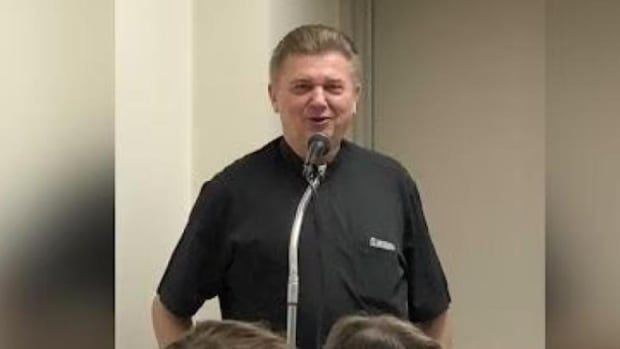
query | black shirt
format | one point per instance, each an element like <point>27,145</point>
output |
<point>364,245</point>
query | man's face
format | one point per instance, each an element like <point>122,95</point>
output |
<point>314,93</point>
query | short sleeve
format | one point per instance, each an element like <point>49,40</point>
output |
<point>428,289</point>
<point>196,269</point>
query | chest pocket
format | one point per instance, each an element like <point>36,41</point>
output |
<point>381,271</point>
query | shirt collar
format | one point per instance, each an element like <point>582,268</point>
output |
<point>296,163</point>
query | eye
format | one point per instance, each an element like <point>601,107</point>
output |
<point>301,87</point>
<point>334,88</point>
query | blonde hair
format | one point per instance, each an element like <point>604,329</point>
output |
<point>313,39</point>
<point>229,334</point>
<point>377,332</point>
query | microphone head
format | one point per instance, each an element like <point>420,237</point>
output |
<point>318,147</point>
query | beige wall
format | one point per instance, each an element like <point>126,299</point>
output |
<point>460,101</point>
<point>583,172</point>
<point>153,133</point>
<point>232,113</point>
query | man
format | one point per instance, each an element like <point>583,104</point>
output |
<point>364,244</point>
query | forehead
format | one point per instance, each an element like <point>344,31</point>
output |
<point>332,65</point>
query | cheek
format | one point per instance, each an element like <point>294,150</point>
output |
<point>345,114</point>
<point>344,107</point>
<point>344,120</point>
<point>293,105</point>
<point>291,119</point>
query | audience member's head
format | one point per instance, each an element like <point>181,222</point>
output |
<point>229,334</point>
<point>377,332</point>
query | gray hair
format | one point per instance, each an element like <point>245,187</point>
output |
<point>314,39</point>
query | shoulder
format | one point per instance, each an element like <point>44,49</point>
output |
<point>375,162</point>
<point>380,168</point>
<point>250,164</point>
<point>236,177</point>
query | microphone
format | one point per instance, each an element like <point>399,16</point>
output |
<point>314,169</point>
<point>318,147</point>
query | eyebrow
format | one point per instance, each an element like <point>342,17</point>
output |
<point>298,80</point>
<point>309,80</point>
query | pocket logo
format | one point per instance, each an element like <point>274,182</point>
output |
<point>382,244</point>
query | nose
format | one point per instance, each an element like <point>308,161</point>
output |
<point>318,102</point>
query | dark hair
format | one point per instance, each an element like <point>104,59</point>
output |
<point>314,39</point>
<point>377,332</point>
<point>229,334</point>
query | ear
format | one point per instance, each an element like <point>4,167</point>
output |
<point>272,97</point>
<point>358,90</point>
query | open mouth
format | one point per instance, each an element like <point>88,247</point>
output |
<point>319,119</point>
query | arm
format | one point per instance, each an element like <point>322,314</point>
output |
<point>194,270</point>
<point>168,327</point>
<point>439,329</point>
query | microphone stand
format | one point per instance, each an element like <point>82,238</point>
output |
<point>313,176</point>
